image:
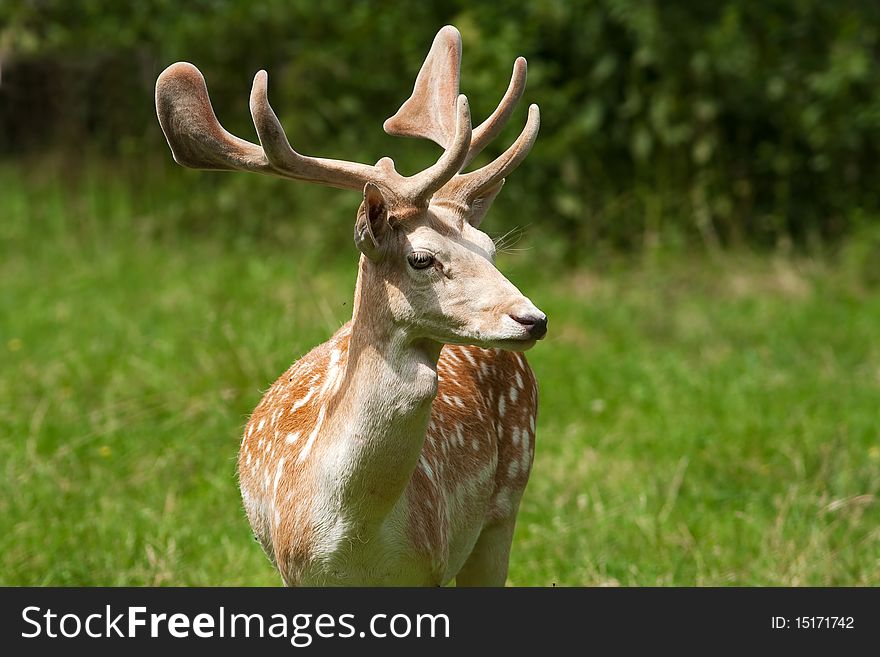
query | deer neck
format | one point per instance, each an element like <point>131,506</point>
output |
<point>389,382</point>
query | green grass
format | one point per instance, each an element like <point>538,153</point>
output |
<point>704,420</point>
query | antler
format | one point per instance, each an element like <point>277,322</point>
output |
<point>197,140</point>
<point>428,112</point>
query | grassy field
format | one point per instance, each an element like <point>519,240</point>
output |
<point>704,420</point>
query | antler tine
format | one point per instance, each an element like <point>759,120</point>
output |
<point>289,163</point>
<point>424,184</point>
<point>489,129</point>
<point>196,138</point>
<point>477,182</point>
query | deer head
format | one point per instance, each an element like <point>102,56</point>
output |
<point>418,234</point>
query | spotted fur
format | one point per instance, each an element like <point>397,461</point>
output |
<point>473,466</point>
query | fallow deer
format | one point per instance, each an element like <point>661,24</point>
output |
<point>397,452</point>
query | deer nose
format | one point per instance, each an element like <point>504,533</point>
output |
<point>535,323</point>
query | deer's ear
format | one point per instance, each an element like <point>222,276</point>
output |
<point>371,228</point>
<point>480,205</point>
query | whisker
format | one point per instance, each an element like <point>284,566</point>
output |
<point>505,242</point>
<point>510,237</point>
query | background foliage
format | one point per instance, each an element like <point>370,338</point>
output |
<point>721,122</point>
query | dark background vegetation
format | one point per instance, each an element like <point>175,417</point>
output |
<point>716,122</point>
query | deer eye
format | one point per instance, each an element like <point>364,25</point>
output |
<point>420,259</point>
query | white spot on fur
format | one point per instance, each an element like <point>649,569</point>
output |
<point>475,444</point>
<point>334,374</point>
<point>502,501</point>
<point>423,464</point>
<point>458,402</point>
<point>302,402</point>
<point>513,469</point>
<point>532,423</point>
<point>526,458</point>
<point>502,406</point>
<point>514,395</point>
<point>467,354</point>
<point>519,381</point>
<point>514,436</point>
<point>337,381</point>
<point>262,424</point>
<point>278,472</point>
<point>308,446</point>
<point>248,459</point>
